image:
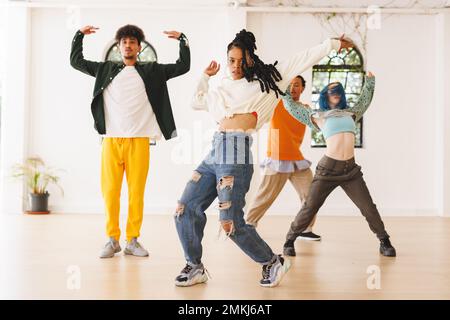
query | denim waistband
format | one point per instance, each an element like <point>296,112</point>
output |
<point>232,147</point>
<point>230,134</point>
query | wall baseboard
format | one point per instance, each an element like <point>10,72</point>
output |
<point>350,211</point>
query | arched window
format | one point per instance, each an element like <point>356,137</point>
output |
<point>147,54</point>
<point>346,67</point>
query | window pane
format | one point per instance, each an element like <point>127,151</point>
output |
<point>317,139</point>
<point>332,54</point>
<point>354,82</point>
<point>147,54</point>
<point>358,135</point>
<point>315,100</point>
<point>338,76</point>
<point>336,61</point>
<point>114,54</point>
<point>351,99</point>
<point>353,58</point>
<point>320,80</point>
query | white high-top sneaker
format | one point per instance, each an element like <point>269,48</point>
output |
<point>191,274</point>
<point>273,272</point>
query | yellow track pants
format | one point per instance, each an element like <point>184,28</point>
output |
<point>132,156</point>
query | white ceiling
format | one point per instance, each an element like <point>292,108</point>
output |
<point>353,3</point>
<point>267,3</point>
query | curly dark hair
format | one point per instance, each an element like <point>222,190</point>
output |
<point>302,80</point>
<point>130,31</point>
<point>266,74</point>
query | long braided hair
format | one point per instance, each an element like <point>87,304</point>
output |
<point>255,69</point>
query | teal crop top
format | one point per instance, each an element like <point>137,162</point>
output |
<point>335,125</point>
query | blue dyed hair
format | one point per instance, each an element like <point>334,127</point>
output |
<point>323,98</point>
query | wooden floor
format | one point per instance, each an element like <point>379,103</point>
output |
<point>39,254</point>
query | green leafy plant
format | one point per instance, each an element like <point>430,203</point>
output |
<point>37,175</point>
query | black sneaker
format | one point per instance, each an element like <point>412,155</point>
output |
<point>272,273</point>
<point>288,248</point>
<point>309,236</point>
<point>386,248</point>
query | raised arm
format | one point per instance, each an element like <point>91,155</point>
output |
<point>183,64</point>
<point>304,60</point>
<point>365,97</point>
<point>77,60</point>
<point>200,99</point>
<point>299,111</point>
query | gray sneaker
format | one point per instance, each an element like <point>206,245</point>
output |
<point>273,272</point>
<point>110,248</point>
<point>134,248</point>
<point>191,274</point>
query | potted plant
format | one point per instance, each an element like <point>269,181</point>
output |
<point>37,177</point>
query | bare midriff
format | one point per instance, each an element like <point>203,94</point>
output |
<point>239,122</point>
<point>341,146</point>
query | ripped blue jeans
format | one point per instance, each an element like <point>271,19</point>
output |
<point>225,173</point>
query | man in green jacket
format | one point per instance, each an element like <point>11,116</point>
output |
<point>130,106</point>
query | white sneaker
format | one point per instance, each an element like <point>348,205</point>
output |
<point>272,273</point>
<point>111,248</point>
<point>191,274</point>
<point>134,248</point>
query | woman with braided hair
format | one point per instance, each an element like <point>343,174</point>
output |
<point>252,67</point>
<point>241,104</point>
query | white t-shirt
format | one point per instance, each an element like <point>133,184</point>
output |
<point>128,113</point>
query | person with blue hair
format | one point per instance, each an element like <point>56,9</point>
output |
<point>334,89</point>
<point>337,122</point>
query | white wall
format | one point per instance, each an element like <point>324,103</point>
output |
<point>399,139</point>
<point>442,169</point>
<point>15,99</point>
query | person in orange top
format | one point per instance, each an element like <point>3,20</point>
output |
<point>284,162</point>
